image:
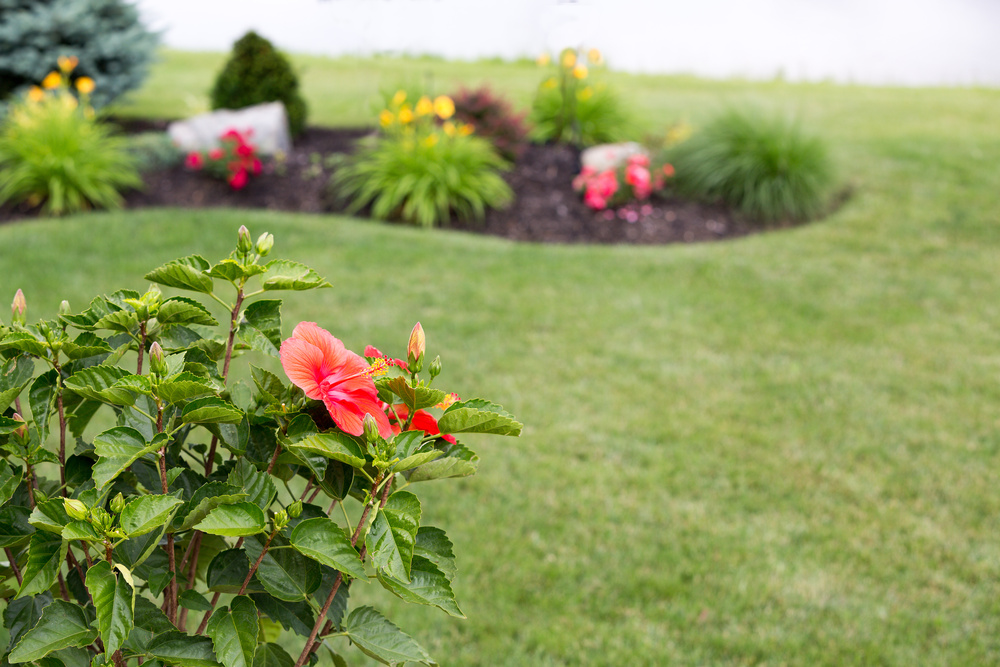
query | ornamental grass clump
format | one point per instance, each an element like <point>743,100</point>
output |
<point>764,166</point>
<point>574,106</point>
<point>207,524</point>
<point>422,167</point>
<point>55,153</point>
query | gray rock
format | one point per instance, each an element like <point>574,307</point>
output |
<point>610,156</point>
<point>267,122</point>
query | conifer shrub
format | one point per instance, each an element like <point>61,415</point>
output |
<point>255,73</point>
<point>105,36</point>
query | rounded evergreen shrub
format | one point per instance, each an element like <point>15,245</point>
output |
<point>111,45</point>
<point>256,73</point>
<point>763,165</point>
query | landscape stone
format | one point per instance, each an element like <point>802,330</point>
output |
<point>611,156</point>
<point>267,122</point>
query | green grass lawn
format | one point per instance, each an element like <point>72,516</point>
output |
<point>780,450</point>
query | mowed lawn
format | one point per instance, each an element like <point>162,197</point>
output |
<point>779,450</point>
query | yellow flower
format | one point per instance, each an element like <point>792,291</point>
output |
<point>405,115</point>
<point>444,107</point>
<point>51,80</point>
<point>580,72</point>
<point>678,133</point>
<point>449,128</point>
<point>425,106</point>
<point>385,118</point>
<point>595,57</point>
<point>549,83</point>
<point>585,94</point>
<point>568,58</point>
<point>465,129</point>
<point>543,60</point>
<point>399,97</point>
<point>85,85</point>
<point>36,94</point>
<point>67,64</point>
<point>430,140</point>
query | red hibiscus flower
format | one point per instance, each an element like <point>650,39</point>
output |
<point>193,160</point>
<point>325,370</point>
<point>422,421</point>
<point>239,179</point>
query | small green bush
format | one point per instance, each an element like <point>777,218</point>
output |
<point>256,73</point>
<point>153,151</point>
<point>54,152</point>
<point>113,47</point>
<point>493,118</point>
<point>763,165</point>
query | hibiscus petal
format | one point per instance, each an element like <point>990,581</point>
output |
<point>334,352</point>
<point>304,365</point>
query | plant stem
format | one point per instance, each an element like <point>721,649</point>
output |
<point>62,588</point>
<point>253,568</point>
<point>215,600</point>
<point>274,459</point>
<point>313,496</point>
<point>232,331</point>
<point>13,564</point>
<point>29,471</point>
<point>142,347</point>
<point>62,422</point>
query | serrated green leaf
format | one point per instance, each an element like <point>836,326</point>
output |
<point>14,526</point>
<point>15,375</point>
<point>205,499</point>
<point>61,625</point>
<point>228,269</point>
<point>333,445</point>
<point>123,321</point>
<point>261,326</point>
<point>183,387</point>
<point>270,387</point>
<point>256,484</point>
<point>41,398</point>
<point>186,273</point>
<point>117,449</point>
<point>478,416</point>
<point>125,390</point>
<point>99,307</point>
<point>146,513</point>
<point>9,479</point>
<point>325,542</point>
<point>392,535</point>
<point>23,613</point>
<point>374,634</point>
<point>22,341</point>
<point>113,600</point>
<point>415,398</point>
<point>91,382</point>
<point>50,515</point>
<point>283,274</point>
<point>80,530</point>
<point>434,545</point>
<point>211,410</point>
<point>272,655</point>
<point>233,631</point>
<point>182,310</point>
<point>412,451</point>
<point>458,461</point>
<point>133,552</point>
<point>177,648</point>
<point>45,556</point>
<point>284,573</point>
<point>294,616</point>
<point>193,600</point>
<point>86,345</point>
<point>227,572</point>
<point>236,520</point>
<point>428,585</point>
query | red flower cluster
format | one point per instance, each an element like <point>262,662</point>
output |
<point>234,160</point>
<point>603,189</point>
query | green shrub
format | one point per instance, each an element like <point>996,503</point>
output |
<point>54,152</point>
<point>493,118</point>
<point>763,165</point>
<point>256,73</point>
<point>153,151</point>
<point>106,36</point>
<point>571,106</point>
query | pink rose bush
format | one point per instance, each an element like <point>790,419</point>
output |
<point>235,160</point>
<point>634,181</point>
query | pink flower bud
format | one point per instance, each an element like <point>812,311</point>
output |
<point>18,307</point>
<point>415,348</point>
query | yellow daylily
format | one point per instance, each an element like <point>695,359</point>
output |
<point>385,118</point>
<point>580,72</point>
<point>430,140</point>
<point>568,58</point>
<point>543,60</point>
<point>405,115</point>
<point>36,94</point>
<point>424,106</point>
<point>449,128</point>
<point>444,107</point>
<point>465,129</point>
<point>399,97</point>
<point>85,85</point>
<point>51,80</point>
<point>595,57</point>
<point>67,64</point>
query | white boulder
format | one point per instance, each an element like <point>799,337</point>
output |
<point>267,123</point>
<point>610,156</point>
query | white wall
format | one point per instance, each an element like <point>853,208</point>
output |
<point>912,42</point>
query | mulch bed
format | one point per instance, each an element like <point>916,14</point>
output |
<point>546,209</point>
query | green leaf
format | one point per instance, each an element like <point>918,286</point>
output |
<point>412,451</point>
<point>45,556</point>
<point>338,480</point>
<point>117,449</point>
<point>177,648</point>
<point>478,416</point>
<point>133,552</point>
<point>283,274</point>
<point>294,616</point>
<point>22,614</point>
<point>86,345</point>
<point>183,387</point>
<point>374,634</point>
<point>92,382</point>
<point>227,572</point>
<point>211,410</point>
<point>261,326</point>
<point>391,538</point>
<point>236,520</point>
<point>435,546</point>
<point>149,617</point>
<point>123,321</point>
<point>80,530</point>
<point>182,310</point>
<point>185,273</point>
<point>333,445</point>
<point>284,573</point>
<point>14,526</point>
<point>325,542</point>
<point>256,484</point>
<point>146,513</point>
<point>99,307</point>
<point>113,599</point>
<point>458,461</point>
<point>41,398</point>
<point>205,499</point>
<point>234,630</point>
<point>272,655</point>
<point>415,398</point>
<point>8,425</point>
<point>9,480</point>
<point>228,269</point>
<point>428,585</point>
<point>268,384</point>
<point>22,341</point>
<point>15,375</point>
<point>61,625</point>
<point>194,601</point>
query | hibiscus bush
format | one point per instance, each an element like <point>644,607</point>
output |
<point>233,160</point>
<point>155,512</point>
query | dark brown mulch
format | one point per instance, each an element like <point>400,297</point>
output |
<point>546,209</point>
